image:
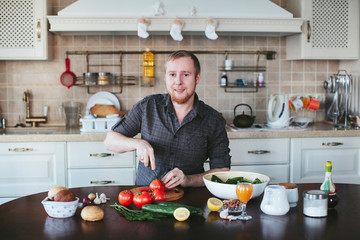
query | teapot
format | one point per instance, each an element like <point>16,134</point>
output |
<point>243,121</point>
<point>275,201</point>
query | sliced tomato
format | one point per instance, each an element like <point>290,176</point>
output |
<point>125,197</point>
<point>141,199</point>
<point>157,184</point>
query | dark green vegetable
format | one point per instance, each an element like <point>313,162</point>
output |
<point>169,210</point>
<point>236,180</point>
<point>215,178</point>
<point>138,215</point>
<point>193,210</point>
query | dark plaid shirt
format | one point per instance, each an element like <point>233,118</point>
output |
<point>200,136</point>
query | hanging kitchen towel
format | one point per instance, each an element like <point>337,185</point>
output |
<point>175,31</point>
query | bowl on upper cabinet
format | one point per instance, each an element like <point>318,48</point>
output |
<point>228,191</point>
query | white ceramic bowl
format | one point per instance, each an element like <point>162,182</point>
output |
<point>228,191</point>
<point>60,209</point>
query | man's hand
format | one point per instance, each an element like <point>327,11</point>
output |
<point>174,178</point>
<point>145,153</point>
<point>177,177</point>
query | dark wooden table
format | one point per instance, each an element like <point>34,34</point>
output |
<point>25,218</point>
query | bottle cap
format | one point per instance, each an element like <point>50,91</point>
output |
<point>328,166</point>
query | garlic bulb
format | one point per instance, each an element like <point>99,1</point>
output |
<point>103,198</point>
<point>97,200</point>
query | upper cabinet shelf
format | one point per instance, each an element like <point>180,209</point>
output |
<point>255,17</point>
<point>129,25</point>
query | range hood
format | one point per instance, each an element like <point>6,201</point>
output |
<point>255,17</point>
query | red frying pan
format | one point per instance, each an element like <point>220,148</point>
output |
<point>67,78</point>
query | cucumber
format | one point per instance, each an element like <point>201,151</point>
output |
<point>193,210</point>
<point>169,210</point>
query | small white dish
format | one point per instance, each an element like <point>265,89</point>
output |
<point>60,209</point>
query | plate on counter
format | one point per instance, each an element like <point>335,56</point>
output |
<point>106,98</point>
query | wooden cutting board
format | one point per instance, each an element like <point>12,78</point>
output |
<point>170,194</point>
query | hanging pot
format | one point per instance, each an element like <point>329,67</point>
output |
<point>243,121</point>
<point>67,78</point>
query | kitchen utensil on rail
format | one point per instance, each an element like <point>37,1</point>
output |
<point>67,78</point>
<point>243,121</point>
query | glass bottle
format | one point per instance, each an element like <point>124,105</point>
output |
<point>328,185</point>
<point>224,80</point>
<point>148,67</point>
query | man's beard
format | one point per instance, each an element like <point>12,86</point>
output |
<point>180,100</point>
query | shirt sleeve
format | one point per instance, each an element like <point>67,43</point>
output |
<point>130,124</point>
<point>219,152</point>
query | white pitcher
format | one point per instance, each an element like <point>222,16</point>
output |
<point>275,200</point>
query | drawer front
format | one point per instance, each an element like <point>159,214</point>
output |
<point>277,173</point>
<point>94,154</point>
<point>259,151</point>
<point>28,168</point>
<point>96,177</point>
<point>309,156</point>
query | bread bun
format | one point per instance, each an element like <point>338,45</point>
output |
<point>101,110</point>
<point>92,213</point>
<point>64,196</point>
<point>54,191</point>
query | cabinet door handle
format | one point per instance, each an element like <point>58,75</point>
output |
<point>332,144</point>
<point>21,149</point>
<point>38,30</point>
<point>259,152</point>
<point>102,182</point>
<point>308,31</point>
<point>101,154</point>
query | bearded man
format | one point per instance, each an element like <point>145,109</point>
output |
<point>178,131</point>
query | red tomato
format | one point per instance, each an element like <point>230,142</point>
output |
<point>158,195</point>
<point>141,199</point>
<point>125,197</point>
<point>144,189</point>
<point>157,184</point>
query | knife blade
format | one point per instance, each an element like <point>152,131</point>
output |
<point>156,175</point>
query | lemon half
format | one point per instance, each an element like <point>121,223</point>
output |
<point>181,214</point>
<point>214,204</point>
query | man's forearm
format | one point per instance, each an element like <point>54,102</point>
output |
<point>196,180</point>
<point>117,142</point>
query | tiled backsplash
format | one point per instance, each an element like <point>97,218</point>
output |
<point>42,78</point>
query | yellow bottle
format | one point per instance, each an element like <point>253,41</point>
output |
<point>148,63</point>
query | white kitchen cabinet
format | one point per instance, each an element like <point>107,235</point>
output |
<point>309,155</point>
<point>89,163</point>
<point>330,30</point>
<point>24,30</point>
<point>31,167</point>
<point>266,156</point>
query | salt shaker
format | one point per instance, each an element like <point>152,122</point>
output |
<point>315,203</point>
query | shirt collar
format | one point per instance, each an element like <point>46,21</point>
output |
<point>197,108</point>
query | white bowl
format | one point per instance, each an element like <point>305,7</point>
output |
<point>60,209</point>
<point>228,191</point>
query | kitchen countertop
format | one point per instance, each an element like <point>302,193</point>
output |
<point>62,134</point>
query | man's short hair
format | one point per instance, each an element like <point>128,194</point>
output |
<point>184,53</point>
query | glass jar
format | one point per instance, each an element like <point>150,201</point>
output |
<point>90,78</point>
<point>104,78</point>
<point>315,203</point>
